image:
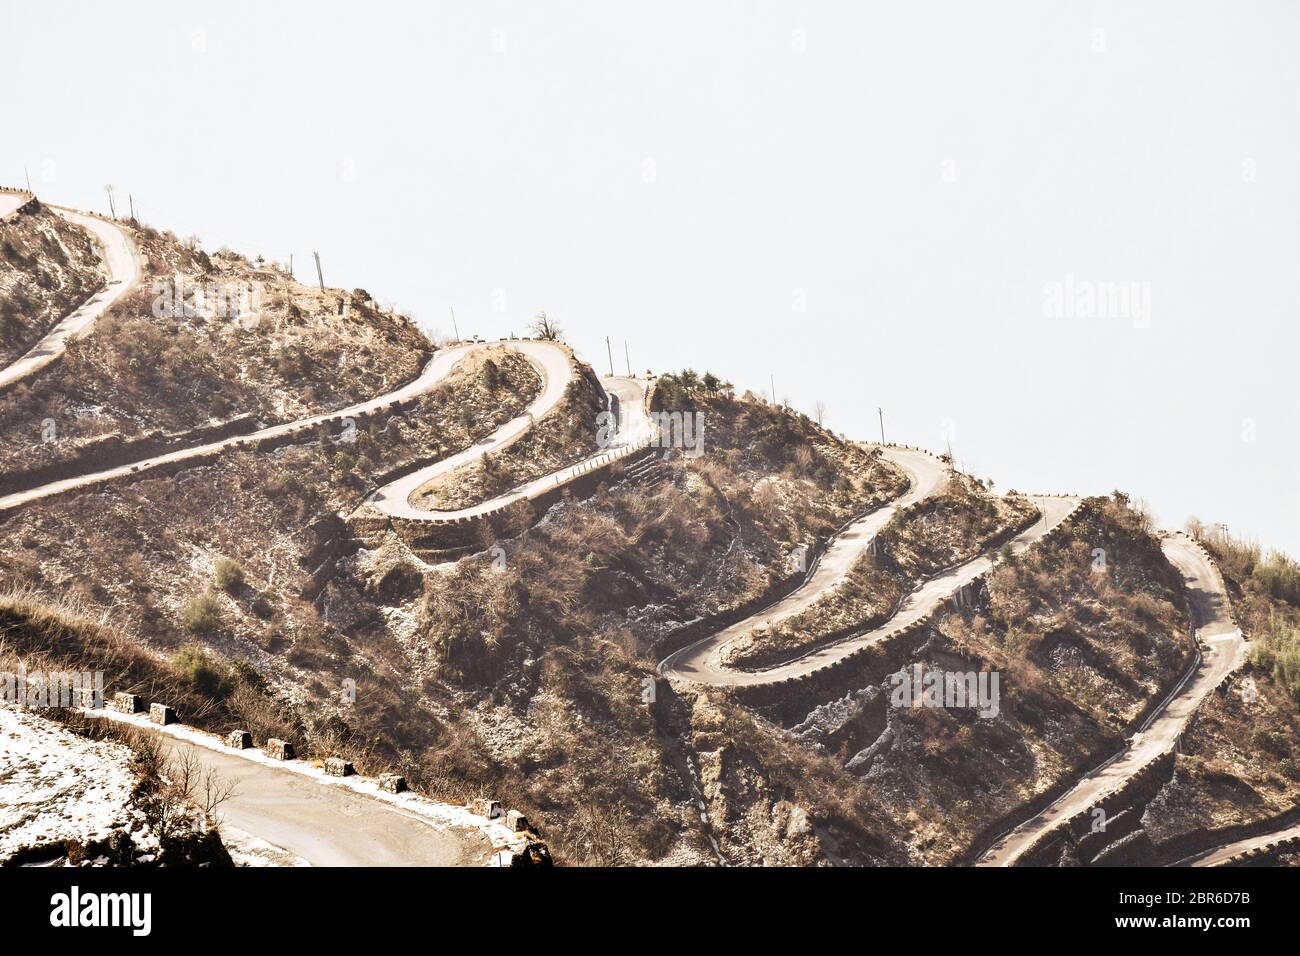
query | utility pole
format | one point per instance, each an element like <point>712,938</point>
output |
<point>131,199</point>
<point>628,357</point>
<point>319,275</point>
<point>109,189</point>
<point>27,176</point>
<point>610,353</point>
<point>772,378</point>
<point>881,413</point>
<point>453,324</point>
<point>291,265</point>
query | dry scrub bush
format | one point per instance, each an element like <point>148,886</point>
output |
<point>201,615</point>
<point>56,634</point>
<point>228,575</point>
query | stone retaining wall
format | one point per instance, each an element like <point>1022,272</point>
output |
<point>1133,794</point>
<point>115,451</point>
<point>454,534</point>
<point>1263,855</point>
<point>784,700</point>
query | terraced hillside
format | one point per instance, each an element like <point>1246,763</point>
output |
<point>667,622</point>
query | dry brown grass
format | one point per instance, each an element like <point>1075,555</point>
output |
<point>47,268</point>
<point>62,633</point>
<point>954,525</point>
<point>139,371</point>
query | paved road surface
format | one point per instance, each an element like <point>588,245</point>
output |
<point>1220,855</point>
<point>553,365</point>
<point>9,202</point>
<point>1223,652</point>
<point>299,814</point>
<point>123,270</point>
<point>703,663</point>
<point>327,821</point>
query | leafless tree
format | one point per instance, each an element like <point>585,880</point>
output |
<point>544,327</point>
<point>819,412</point>
<point>213,792</point>
<point>185,786</point>
<point>604,834</point>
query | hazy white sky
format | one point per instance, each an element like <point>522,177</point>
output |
<point>875,203</point>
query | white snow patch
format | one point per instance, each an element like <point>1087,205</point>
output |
<point>56,786</point>
<point>443,815</point>
<point>248,850</point>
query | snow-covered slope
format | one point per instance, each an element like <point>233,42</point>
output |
<point>57,787</point>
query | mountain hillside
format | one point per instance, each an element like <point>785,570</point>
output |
<point>663,621</point>
<point>48,267</point>
<point>205,345</point>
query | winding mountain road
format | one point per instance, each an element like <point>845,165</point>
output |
<point>552,361</point>
<point>122,266</point>
<point>433,374</point>
<point>704,661</point>
<point>1222,854</point>
<point>1221,652</point>
<point>554,366</point>
<point>285,808</point>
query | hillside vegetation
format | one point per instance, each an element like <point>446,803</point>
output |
<point>954,525</point>
<point>48,267</point>
<point>204,340</point>
<point>250,589</point>
<point>1078,654</point>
